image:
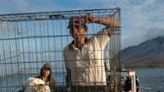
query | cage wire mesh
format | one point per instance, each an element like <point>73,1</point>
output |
<point>28,40</point>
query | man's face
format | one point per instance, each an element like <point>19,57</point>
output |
<point>78,31</point>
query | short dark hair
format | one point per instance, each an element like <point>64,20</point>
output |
<point>77,22</point>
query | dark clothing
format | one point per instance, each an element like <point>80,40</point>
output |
<point>137,85</point>
<point>127,86</point>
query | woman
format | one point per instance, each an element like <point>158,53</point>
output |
<point>45,78</point>
<point>46,75</point>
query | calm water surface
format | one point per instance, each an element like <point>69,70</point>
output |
<point>151,79</point>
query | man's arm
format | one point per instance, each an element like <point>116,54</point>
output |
<point>102,37</point>
<point>102,20</point>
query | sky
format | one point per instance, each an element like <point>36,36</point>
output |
<point>140,19</point>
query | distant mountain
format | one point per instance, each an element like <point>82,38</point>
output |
<point>147,54</point>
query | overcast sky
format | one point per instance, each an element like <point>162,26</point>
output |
<point>141,19</point>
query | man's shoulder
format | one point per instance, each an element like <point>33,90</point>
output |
<point>67,47</point>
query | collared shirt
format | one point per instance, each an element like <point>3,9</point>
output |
<point>87,65</point>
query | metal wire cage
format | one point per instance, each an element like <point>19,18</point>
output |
<point>28,40</point>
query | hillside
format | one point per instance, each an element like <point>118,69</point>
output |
<point>147,54</point>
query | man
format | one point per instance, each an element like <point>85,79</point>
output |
<point>84,56</point>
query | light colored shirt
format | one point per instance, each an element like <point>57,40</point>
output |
<point>87,65</point>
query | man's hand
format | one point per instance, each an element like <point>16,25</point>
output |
<point>106,21</point>
<point>89,18</point>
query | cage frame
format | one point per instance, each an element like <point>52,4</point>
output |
<point>60,15</point>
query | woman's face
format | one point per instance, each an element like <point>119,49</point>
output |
<point>46,72</point>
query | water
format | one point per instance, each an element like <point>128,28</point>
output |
<point>150,79</point>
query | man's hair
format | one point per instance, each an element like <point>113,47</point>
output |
<point>77,22</point>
